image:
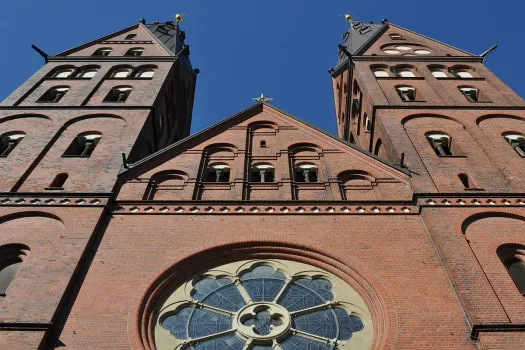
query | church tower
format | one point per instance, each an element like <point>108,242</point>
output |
<point>438,112</point>
<point>65,135</point>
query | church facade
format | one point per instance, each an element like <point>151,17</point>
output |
<point>119,230</point>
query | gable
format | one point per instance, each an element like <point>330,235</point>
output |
<point>263,142</point>
<point>411,44</point>
<point>136,36</point>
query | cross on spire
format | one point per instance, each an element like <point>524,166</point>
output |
<point>262,98</point>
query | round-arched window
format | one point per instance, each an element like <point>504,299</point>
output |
<point>264,305</point>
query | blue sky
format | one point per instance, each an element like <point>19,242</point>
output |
<point>282,48</point>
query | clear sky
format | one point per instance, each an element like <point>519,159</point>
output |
<point>282,48</point>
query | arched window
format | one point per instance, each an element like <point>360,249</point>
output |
<point>218,173</point>
<point>11,258</point>
<point>513,257</point>
<point>130,37</point>
<point>54,94</point>
<point>83,145</point>
<point>470,93</point>
<point>306,173</point>
<point>440,143</point>
<point>118,94</point>
<point>406,73</point>
<point>63,73</point>
<point>103,51</point>
<point>464,74</point>
<point>121,73</point>
<point>367,123</point>
<point>517,142</point>
<point>146,73</point>
<point>380,73</point>
<point>137,51</point>
<point>439,73</point>
<point>406,93</point>
<point>88,73</point>
<point>263,173</point>
<point>9,140</point>
<point>58,182</point>
<point>263,305</point>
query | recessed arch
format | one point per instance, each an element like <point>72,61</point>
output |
<point>493,116</point>
<point>30,214</point>
<point>93,116</point>
<point>437,116</point>
<point>349,175</point>
<point>23,116</point>
<point>486,215</point>
<point>263,124</point>
<point>304,147</point>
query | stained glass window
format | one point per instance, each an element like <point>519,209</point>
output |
<point>264,307</point>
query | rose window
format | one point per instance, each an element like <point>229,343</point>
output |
<point>264,305</point>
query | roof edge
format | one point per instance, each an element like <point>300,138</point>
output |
<point>95,40</point>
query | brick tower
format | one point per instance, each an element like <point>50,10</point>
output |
<point>460,131</point>
<point>64,134</point>
<point>263,232</point>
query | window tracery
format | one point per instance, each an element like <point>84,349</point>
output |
<point>264,305</point>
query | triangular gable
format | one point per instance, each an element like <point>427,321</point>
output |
<point>281,118</point>
<point>143,35</point>
<point>384,41</point>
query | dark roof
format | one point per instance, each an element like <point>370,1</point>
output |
<point>178,144</point>
<point>357,37</point>
<point>172,38</point>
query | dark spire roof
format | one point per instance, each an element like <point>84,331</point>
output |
<point>172,37</point>
<point>357,37</point>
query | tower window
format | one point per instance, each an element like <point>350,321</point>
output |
<point>368,123</point>
<point>58,182</point>
<point>83,145</point>
<point>130,37</point>
<point>219,173</point>
<point>263,144</point>
<point>380,73</point>
<point>406,93</point>
<point>102,52</point>
<point>406,73</point>
<point>517,142</point>
<point>63,73</point>
<point>470,93</point>
<point>512,256</point>
<point>54,94</point>
<point>121,73</point>
<point>11,258</point>
<point>463,74</point>
<point>9,141</point>
<point>146,73</point>
<point>306,173</point>
<point>440,143</point>
<point>439,74</point>
<point>88,73</point>
<point>118,94</point>
<point>135,52</point>
<point>263,173</point>
<point>396,37</point>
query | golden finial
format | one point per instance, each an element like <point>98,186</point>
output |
<point>179,17</point>
<point>349,18</point>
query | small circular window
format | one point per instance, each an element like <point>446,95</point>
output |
<point>403,48</point>
<point>422,52</point>
<point>392,52</point>
<point>264,305</point>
